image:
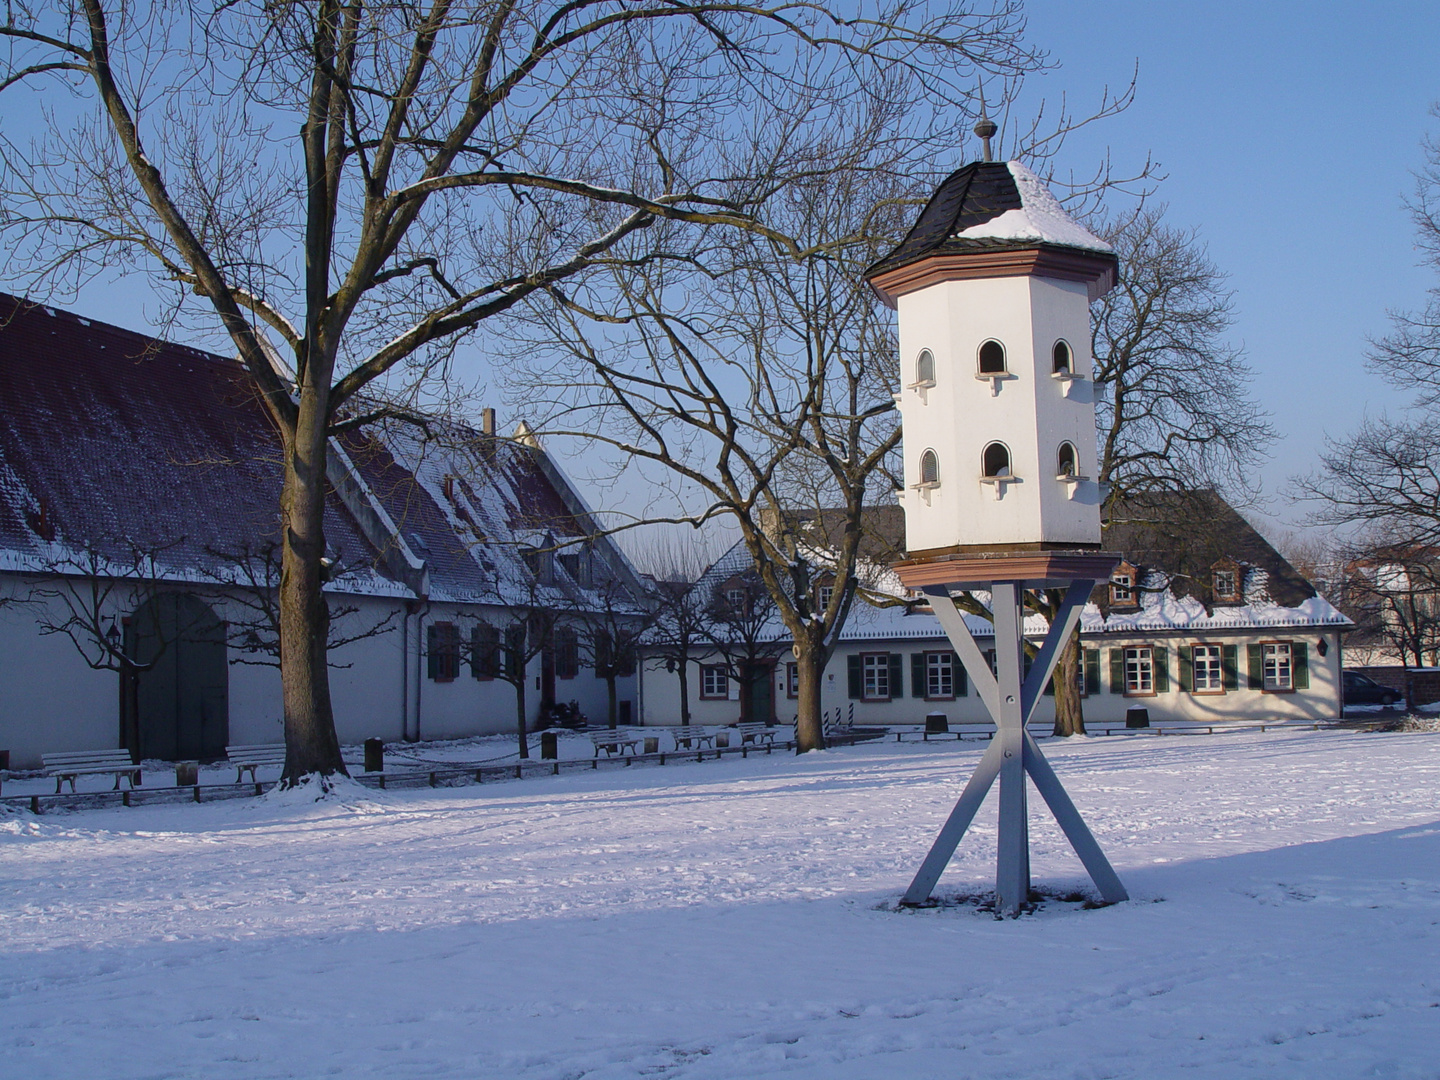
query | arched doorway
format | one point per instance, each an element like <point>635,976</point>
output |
<point>182,703</point>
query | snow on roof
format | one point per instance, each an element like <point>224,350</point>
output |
<point>990,205</point>
<point>1040,218</point>
<point>115,439</point>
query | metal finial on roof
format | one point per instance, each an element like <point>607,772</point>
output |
<point>986,129</point>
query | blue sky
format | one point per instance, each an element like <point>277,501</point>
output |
<point>1288,132</point>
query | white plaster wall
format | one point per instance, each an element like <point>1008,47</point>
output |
<point>1031,414</point>
<point>1320,702</point>
<point>49,699</point>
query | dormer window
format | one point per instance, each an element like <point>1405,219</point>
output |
<point>1225,582</point>
<point>1122,587</point>
<point>991,365</point>
<point>995,468</point>
<point>929,474</point>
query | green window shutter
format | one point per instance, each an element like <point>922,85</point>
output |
<point>1092,671</point>
<point>1117,671</point>
<point>1186,670</point>
<point>856,689</point>
<point>1162,669</point>
<point>917,674</point>
<point>962,682</point>
<point>1300,665</point>
<point>1256,664</point>
<point>1230,666</point>
<point>432,651</point>
<point>897,675</point>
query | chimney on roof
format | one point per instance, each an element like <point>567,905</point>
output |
<point>487,422</point>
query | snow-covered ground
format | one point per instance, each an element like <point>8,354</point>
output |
<point>731,919</point>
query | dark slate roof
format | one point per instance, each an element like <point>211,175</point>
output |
<point>977,194</point>
<point>113,441</point>
<point>969,196</point>
<point>1184,534</point>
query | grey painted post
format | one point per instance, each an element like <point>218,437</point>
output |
<point>1012,860</point>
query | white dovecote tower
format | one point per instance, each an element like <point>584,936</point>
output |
<point>993,288</point>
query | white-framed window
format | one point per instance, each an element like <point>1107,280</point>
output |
<point>1278,666</point>
<point>1139,670</point>
<point>1207,670</point>
<point>792,680</point>
<point>875,676</point>
<point>939,675</point>
<point>1122,588</point>
<point>827,593</point>
<point>735,598</point>
<point>714,681</point>
<point>1225,585</point>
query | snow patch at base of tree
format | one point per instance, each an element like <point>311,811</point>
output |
<point>334,791</point>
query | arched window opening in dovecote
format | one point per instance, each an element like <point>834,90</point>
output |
<point>925,368</point>
<point>1065,460</point>
<point>992,358</point>
<point>929,468</point>
<point>995,461</point>
<point>1062,362</point>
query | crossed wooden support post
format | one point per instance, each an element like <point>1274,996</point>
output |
<point>1013,754</point>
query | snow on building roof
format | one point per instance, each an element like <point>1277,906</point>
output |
<point>989,205</point>
<point>1174,539</point>
<point>115,440</point>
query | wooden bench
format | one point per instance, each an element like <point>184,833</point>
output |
<point>68,766</point>
<point>250,758</point>
<point>613,741</point>
<point>757,733</point>
<point>693,737</point>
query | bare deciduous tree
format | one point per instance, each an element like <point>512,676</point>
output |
<point>348,191</point>
<point>1384,478</point>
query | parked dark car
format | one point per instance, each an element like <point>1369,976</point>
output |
<point>1363,690</point>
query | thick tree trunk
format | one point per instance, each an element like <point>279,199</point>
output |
<point>520,732</point>
<point>311,745</point>
<point>684,693</point>
<point>809,730</point>
<point>1069,705</point>
<point>610,695</point>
